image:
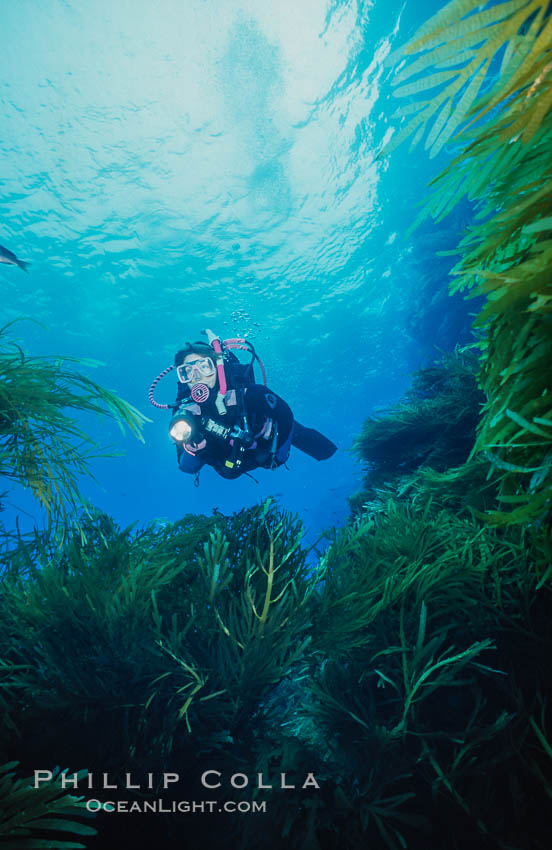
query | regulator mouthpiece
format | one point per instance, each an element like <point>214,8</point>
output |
<point>200,393</point>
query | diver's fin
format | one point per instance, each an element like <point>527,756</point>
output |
<point>312,442</point>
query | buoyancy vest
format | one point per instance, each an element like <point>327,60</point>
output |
<point>255,427</point>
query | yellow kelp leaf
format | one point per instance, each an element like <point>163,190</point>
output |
<point>513,500</point>
<point>510,17</point>
<point>528,201</point>
<point>446,16</point>
<point>417,138</point>
<point>511,56</point>
<point>534,59</point>
<point>438,124</point>
<point>506,32</point>
<point>530,61</point>
<point>514,131</point>
<point>425,83</point>
<point>456,60</point>
<point>515,65</point>
<point>541,304</point>
<point>409,109</point>
<point>541,352</point>
<point>462,107</point>
<point>406,131</point>
<point>458,22</point>
<point>508,466</point>
<point>452,51</point>
<point>506,255</point>
<point>539,53</point>
<point>527,514</point>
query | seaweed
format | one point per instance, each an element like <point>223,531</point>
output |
<point>456,52</point>
<point>41,445</point>
<point>406,668</point>
<point>150,634</point>
<point>418,699</point>
<point>409,667</point>
<point>26,811</point>
<point>492,67</point>
<point>430,430</point>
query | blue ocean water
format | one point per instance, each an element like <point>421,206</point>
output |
<point>178,165</point>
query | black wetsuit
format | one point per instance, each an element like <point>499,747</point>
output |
<point>264,415</point>
<point>269,424</point>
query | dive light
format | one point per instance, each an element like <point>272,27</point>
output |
<point>182,426</point>
<point>186,427</point>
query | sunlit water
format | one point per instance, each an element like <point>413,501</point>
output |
<point>178,165</point>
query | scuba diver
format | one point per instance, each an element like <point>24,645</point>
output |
<point>223,418</point>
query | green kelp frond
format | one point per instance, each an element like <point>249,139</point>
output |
<point>505,168</point>
<point>297,826</point>
<point>472,486</point>
<point>376,559</point>
<point>258,591</point>
<point>26,813</point>
<point>41,445</point>
<point>80,613</point>
<point>426,555</point>
<point>507,258</point>
<point>426,618</point>
<point>212,642</point>
<point>166,639</point>
<point>429,640</point>
<point>433,425</point>
<point>83,638</point>
<point>453,74</point>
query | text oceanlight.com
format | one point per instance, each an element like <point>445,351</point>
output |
<point>210,779</point>
<point>172,806</point>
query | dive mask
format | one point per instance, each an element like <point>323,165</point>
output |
<point>195,370</point>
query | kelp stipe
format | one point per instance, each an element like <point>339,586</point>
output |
<point>504,166</point>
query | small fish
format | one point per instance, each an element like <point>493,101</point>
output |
<point>9,258</point>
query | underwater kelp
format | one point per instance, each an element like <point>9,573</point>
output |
<point>432,426</point>
<point>488,71</point>
<point>41,445</point>
<point>151,650</point>
<point>407,670</point>
<point>418,702</point>
<point>471,487</point>
<point>469,49</point>
<point>27,813</point>
<point>165,638</point>
<point>516,429</point>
